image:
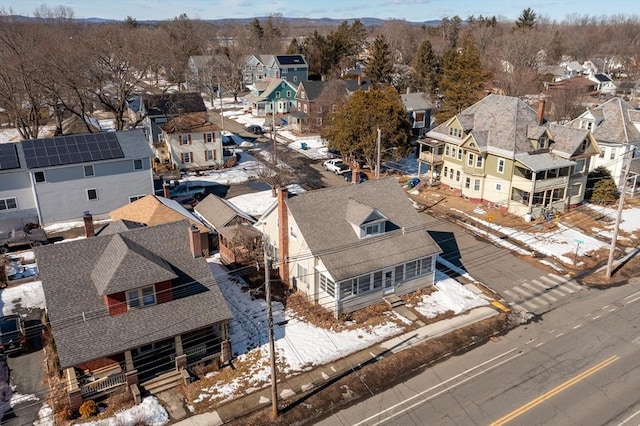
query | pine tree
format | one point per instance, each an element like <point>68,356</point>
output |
<point>294,47</point>
<point>425,68</point>
<point>379,66</point>
<point>353,128</point>
<point>462,79</point>
<point>527,19</point>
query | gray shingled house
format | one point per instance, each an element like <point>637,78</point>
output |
<point>503,153</point>
<point>128,305</point>
<point>348,247</point>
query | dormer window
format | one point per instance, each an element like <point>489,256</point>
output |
<point>543,142</point>
<point>586,124</point>
<point>584,145</point>
<point>141,297</point>
<point>374,229</point>
<point>455,132</point>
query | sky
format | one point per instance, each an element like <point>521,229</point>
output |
<point>410,10</point>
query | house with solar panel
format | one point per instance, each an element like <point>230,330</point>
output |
<point>293,68</point>
<point>45,181</point>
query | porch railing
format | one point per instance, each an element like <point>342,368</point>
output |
<point>101,385</point>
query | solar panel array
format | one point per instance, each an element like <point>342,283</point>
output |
<point>8,156</point>
<point>71,149</point>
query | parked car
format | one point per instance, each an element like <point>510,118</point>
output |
<point>362,176</point>
<point>25,237</point>
<point>255,129</point>
<point>336,166</point>
<point>195,190</point>
<point>12,334</point>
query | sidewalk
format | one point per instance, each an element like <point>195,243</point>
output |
<point>317,377</point>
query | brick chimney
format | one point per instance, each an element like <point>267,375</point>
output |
<point>89,230</point>
<point>194,241</point>
<point>541,111</point>
<point>355,173</point>
<point>283,235</point>
<point>166,190</point>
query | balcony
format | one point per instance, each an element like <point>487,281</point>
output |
<point>473,171</point>
<point>430,158</point>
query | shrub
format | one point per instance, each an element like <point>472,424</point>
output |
<point>88,409</point>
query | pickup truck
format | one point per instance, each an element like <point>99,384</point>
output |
<point>336,166</point>
<point>23,237</point>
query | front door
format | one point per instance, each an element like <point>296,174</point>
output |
<point>387,282</point>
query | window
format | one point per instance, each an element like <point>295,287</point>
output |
<point>453,151</point>
<point>612,155</point>
<point>476,185</point>
<point>186,157</point>
<point>410,270</point>
<point>467,183</point>
<point>8,203</point>
<point>137,164</point>
<point>302,273</point>
<point>584,145</point>
<point>293,232</point>
<point>457,175</point>
<point>377,279</point>
<point>498,187</point>
<point>277,94</point>
<point>501,165</point>
<point>579,166</point>
<point>364,283</point>
<point>372,229</point>
<point>455,132</point>
<point>210,155</point>
<point>446,169</point>
<point>295,78</point>
<point>450,173</point>
<point>39,177</point>
<point>140,297</point>
<point>470,159</point>
<point>460,152</point>
<point>208,138</point>
<point>135,197</point>
<point>347,288</point>
<point>184,139</point>
<point>288,93</point>
<point>92,194</point>
<point>319,121</point>
<point>304,108</point>
<point>601,153</point>
<point>88,171</point>
<point>327,285</point>
<point>479,161</point>
<point>319,109</point>
<point>447,150</point>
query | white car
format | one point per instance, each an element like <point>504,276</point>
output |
<point>336,166</point>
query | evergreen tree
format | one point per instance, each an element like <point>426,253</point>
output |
<point>294,47</point>
<point>462,79</point>
<point>597,188</point>
<point>257,34</point>
<point>527,19</point>
<point>425,68</point>
<point>353,126</point>
<point>379,66</point>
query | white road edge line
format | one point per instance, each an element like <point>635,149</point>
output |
<point>633,295</point>
<point>629,418</point>
<point>447,381</point>
<point>633,300</point>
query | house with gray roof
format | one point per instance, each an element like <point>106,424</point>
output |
<point>349,247</point>
<point>271,96</point>
<point>419,109</point>
<point>127,305</point>
<point>232,228</point>
<point>502,152</point>
<point>51,180</point>
<point>292,68</point>
<point>616,126</point>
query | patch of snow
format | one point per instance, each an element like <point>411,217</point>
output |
<point>149,413</point>
<point>451,296</point>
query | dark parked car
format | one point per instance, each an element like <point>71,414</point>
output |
<point>362,176</point>
<point>12,334</point>
<point>24,237</point>
<point>255,129</point>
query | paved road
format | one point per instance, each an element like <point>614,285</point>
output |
<point>525,285</point>
<point>578,366</point>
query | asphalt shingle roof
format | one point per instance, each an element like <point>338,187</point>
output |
<point>322,216</point>
<point>614,122</point>
<point>82,327</point>
<point>219,212</point>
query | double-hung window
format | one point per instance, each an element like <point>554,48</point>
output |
<point>141,297</point>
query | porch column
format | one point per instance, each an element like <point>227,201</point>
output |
<point>73,388</point>
<point>178,344</point>
<point>128,361</point>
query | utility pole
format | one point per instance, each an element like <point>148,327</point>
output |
<point>616,228</point>
<point>378,149</point>
<point>220,98</point>
<point>272,348</point>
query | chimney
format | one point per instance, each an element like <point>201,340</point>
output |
<point>194,241</point>
<point>283,235</point>
<point>408,90</point>
<point>359,80</point>
<point>355,173</point>
<point>166,190</point>
<point>487,92</point>
<point>89,230</point>
<point>541,111</point>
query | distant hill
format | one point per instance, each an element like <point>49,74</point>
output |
<point>299,22</point>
